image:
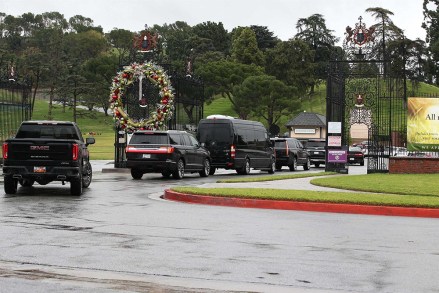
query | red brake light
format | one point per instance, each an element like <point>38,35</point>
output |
<point>75,152</point>
<point>5,150</point>
<point>232,151</point>
<point>168,150</point>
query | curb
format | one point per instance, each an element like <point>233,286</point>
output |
<point>302,206</point>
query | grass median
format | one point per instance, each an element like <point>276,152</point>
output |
<point>405,190</point>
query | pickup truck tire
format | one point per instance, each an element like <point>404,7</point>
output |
<point>87,175</point>
<point>10,185</point>
<point>76,186</point>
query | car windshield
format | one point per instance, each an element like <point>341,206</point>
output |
<point>149,138</point>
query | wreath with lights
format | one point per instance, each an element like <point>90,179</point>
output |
<point>125,78</point>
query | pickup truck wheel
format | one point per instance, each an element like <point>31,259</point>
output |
<point>136,174</point>
<point>206,168</point>
<point>26,182</point>
<point>10,185</point>
<point>179,173</point>
<point>76,186</point>
<point>87,175</point>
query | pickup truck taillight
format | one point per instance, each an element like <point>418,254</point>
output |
<point>232,151</point>
<point>5,151</point>
<point>75,152</point>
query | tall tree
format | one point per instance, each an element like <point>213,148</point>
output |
<point>245,48</point>
<point>220,77</point>
<point>431,26</point>
<point>267,98</point>
<point>385,30</point>
<point>313,31</point>
<point>264,37</point>
<point>293,63</point>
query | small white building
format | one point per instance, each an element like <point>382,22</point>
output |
<point>307,126</point>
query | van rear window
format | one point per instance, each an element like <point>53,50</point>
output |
<point>219,133</point>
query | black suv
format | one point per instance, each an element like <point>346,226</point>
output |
<point>317,151</point>
<point>169,152</point>
<point>290,152</point>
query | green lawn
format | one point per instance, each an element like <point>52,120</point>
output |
<point>419,190</point>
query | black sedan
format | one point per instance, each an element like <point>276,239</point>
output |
<point>356,156</point>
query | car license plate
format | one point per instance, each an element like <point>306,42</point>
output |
<point>39,169</point>
<point>351,159</point>
<point>146,156</point>
<point>316,153</point>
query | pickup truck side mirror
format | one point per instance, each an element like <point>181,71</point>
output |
<point>89,140</point>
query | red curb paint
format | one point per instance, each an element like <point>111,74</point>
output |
<point>302,206</point>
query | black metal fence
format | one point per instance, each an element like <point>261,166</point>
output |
<point>15,107</point>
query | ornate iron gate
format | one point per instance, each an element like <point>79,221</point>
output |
<point>358,92</point>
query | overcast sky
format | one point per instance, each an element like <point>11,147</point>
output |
<point>280,16</point>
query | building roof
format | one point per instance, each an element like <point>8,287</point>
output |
<point>307,119</point>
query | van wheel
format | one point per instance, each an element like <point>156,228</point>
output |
<point>76,186</point>
<point>10,185</point>
<point>136,174</point>
<point>179,173</point>
<point>272,166</point>
<point>245,170</point>
<point>316,165</point>
<point>293,166</point>
<point>212,170</point>
<point>307,165</point>
<point>278,167</point>
<point>206,168</point>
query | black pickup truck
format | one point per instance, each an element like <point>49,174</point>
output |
<point>46,151</point>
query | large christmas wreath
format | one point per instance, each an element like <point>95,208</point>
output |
<point>157,76</point>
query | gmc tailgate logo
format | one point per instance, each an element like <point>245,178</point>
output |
<point>39,147</point>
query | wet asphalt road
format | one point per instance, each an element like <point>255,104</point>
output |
<point>119,236</point>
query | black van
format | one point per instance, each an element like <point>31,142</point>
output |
<point>237,144</point>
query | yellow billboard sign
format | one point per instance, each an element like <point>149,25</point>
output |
<point>423,124</point>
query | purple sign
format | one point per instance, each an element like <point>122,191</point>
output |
<point>337,156</point>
